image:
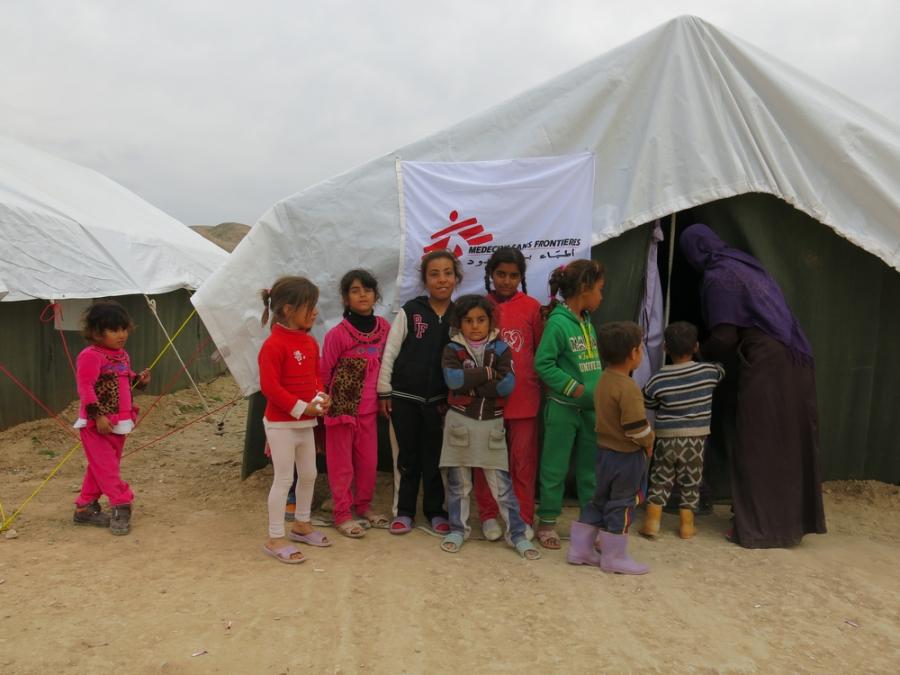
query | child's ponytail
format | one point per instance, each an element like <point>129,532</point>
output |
<point>266,295</point>
<point>570,280</point>
<point>299,292</point>
<point>555,283</point>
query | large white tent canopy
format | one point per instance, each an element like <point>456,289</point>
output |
<point>70,232</point>
<point>683,115</point>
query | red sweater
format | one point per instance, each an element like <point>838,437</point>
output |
<point>288,372</point>
<point>520,324</point>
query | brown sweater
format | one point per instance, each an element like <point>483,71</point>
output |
<point>621,419</point>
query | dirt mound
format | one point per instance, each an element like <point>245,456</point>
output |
<point>225,235</point>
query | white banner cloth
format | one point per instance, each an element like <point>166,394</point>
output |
<point>541,205</point>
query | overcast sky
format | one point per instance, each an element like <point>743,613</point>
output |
<point>215,110</point>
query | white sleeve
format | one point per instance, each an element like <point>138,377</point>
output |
<point>395,339</point>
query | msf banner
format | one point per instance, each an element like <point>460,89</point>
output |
<point>541,205</point>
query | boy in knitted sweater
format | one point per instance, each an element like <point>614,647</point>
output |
<point>682,394</point>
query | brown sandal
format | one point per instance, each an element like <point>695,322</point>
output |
<point>549,538</point>
<point>350,528</point>
<point>378,521</point>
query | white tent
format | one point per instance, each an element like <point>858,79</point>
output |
<point>681,116</point>
<point>70,232</point>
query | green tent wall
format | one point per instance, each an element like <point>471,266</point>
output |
<point>33,352</point>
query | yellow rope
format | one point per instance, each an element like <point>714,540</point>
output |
<point>6,522</point>
<point>9,521</point>
<point>169,343</point>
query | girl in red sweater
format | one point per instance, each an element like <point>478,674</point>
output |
<point>289,379</point>
<point>518,317</point>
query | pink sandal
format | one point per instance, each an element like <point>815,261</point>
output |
<point>314,538</point>
<point>401,525</point>
<point>440,525</point>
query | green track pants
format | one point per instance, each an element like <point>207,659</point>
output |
<point>567,429</point>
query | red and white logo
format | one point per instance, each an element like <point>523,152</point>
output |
<point>468,232</point>
<point>513,338</point>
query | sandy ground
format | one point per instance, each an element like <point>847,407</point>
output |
<point>190,592</point>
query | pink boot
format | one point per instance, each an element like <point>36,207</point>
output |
<point>615,558</point>
<point>581,545</point>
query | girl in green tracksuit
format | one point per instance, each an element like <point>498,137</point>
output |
<point>568,363</point>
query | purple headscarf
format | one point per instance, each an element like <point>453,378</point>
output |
<point>737,290</point>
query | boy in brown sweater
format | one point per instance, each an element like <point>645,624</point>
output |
<point>624,445</point>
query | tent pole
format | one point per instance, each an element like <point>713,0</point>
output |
<point>669,270</point>
<point>152,305</point>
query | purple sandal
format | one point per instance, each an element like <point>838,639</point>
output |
<point>440,525</point>
<point>284,554</point>
<point>314,538</point>
<point>401,525</point>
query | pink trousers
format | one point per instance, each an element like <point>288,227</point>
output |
<point>522,438</point>
<point>351,454</point>
<point>104,454</point>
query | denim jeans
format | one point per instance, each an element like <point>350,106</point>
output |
<point>459,487</point>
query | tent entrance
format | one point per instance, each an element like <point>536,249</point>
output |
<point>681,287</point>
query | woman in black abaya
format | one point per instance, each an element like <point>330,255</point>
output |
<point>769,391</point>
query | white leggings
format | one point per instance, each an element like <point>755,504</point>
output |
<point>290,447</point>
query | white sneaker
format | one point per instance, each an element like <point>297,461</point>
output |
<point>491,529</point>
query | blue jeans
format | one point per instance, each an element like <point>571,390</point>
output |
<point>619,479</point>
<point>459,487</point>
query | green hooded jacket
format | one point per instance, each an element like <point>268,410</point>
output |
<point>567,357</point>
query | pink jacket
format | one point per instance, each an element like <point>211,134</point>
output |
<point>104,378</point>
<point>520,324</point>
<point>345,343</point>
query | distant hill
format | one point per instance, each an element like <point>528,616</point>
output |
<point>226,235</point>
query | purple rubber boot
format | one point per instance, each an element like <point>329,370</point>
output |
<point>581,545</point>
<point>615,558</point>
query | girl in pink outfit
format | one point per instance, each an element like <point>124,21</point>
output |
<point>518,317</point>
<point>104,378</point>
<point>351,358</point>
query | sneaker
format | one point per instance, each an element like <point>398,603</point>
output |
<point>491,529</point>
<point>120,521</point>
<point>91,514</point>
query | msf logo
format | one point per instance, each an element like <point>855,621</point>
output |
<point>468,232</point>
